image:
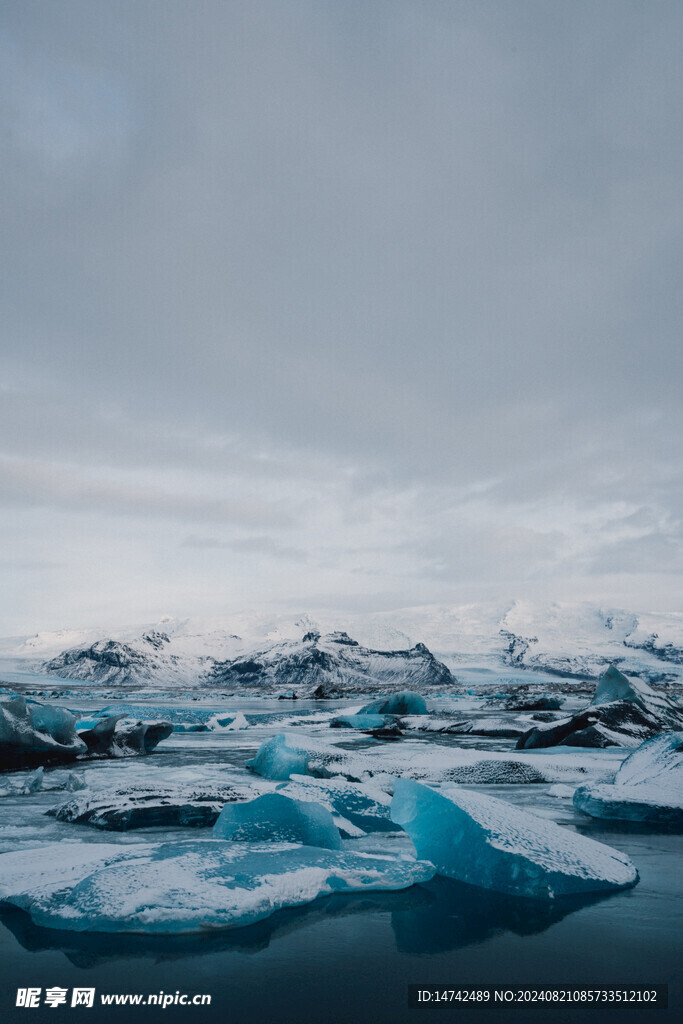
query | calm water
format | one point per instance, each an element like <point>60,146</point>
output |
<point>351,958</point>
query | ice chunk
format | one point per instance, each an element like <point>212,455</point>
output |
<point>362,805</point>
<point>647,803</point>
<point>495,845</point>
<point>33,734</point>
<point>191,886</point>
<point>150,806</point>
<point>288,753</point>
<point>276,818</point>
<point>118,736</point>
<point>407,702</point>
<point>622,713</point>
<point>276,759</point>
<point>366,723</point>
<point>224,722</point>
<point>561,791</point>
<point>648,787</point>
<point>657,760</point>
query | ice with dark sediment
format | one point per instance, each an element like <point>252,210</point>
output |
<point>147,806</point>
<point>121,736</point>
<point>622,713</point>
<point>32,734</point>
<point>490,843</point>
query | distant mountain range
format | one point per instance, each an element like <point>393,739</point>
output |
<point>410,648</point>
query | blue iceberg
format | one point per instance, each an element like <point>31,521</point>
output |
<point>277,759</point>
<point>277,818</point>
<point>356,807</point>
<point>492,844</point>
<point>363,722</point>
<point>407,702</point>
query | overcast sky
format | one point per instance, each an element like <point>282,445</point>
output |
<point>313,304</point>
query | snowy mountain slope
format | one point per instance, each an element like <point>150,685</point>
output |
<point>334,664</point>
<point>476,642</point>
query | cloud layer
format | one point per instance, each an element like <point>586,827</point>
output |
<point>355,305</point>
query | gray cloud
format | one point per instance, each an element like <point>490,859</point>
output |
<point>394,285</point>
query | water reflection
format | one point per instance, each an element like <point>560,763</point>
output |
<point>439,916</point>
<point>460,915</point>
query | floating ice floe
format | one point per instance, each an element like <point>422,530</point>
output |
<point>193,886</point>
<point>119,810</point>
<point>287,753</point>
<point>647,788</point>
<point>622,713</point>
<point>492,844</point>
<point>33,734</point>
<point>39,780</point>
<point>275,818</point>
<point>376,725</point>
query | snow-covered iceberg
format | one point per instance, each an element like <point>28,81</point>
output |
<point>647,788</point>
<point>495,845</point>
<point>193,886</point>
<point>118,810</point>
<point>288,753</point>
<point>34,734</point>
<point>277,818</point>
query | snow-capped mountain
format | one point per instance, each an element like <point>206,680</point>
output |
<point>576,641</point>
<point>333,665</point>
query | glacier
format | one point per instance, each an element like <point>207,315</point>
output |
<point>486,842</point>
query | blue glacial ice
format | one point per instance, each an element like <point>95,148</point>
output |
<point>276,818</point>
<point>356,807</point>
<point>363,722</point>
<point>492,844</point>
<point>647,788</point>
<point>404,703</point>
<point>278,758</point>
<point>182,887</point>
<point>33,733</point>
